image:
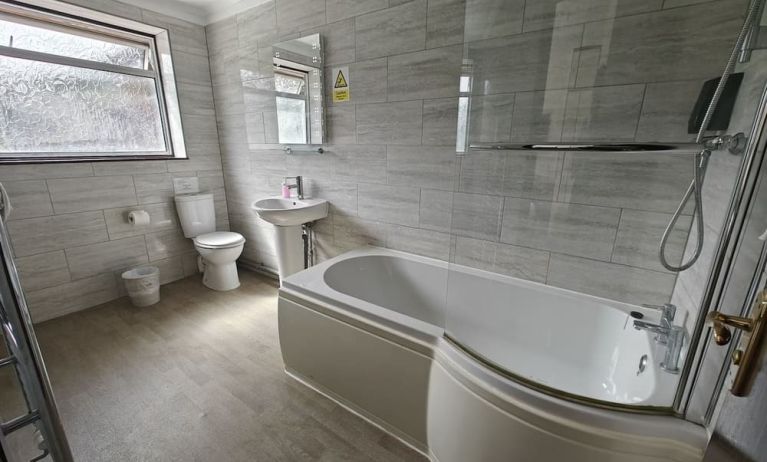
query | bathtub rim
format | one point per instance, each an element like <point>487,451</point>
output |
<point>608,428</point>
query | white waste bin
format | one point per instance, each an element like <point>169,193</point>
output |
<point>143,285</point>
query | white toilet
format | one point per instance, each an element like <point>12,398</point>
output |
<point>218,250</point>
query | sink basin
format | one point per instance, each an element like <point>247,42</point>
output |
<point>290,212</point>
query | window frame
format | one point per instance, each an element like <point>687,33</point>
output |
<point>73,19</point>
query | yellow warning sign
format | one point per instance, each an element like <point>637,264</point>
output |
<point>340,81</point>
<point>341,84</point>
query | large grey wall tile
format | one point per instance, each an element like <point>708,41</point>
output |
<point>166,244</point>
<point>542,60</point>
<point>337,40</point>
<point>120,9</point>
<point>666,109</point>
<point>367,82</point>
<point>129,167</point>
<point>425,74</point>
<point>500,258</point>
<point>391,204</point>
<point>81,194</point>
<point>228,99</point>
<point>351,232</point>
<point>444,22</point>
<point>606,113</point>
<point>196,99</point>
<point>482,172</point>
<point>200,158</point>
<point>342,9</point>
<point>73,296</point>
<point>440,119</point>
<point>639,235</point>
<point>184,36</point>
<point>490,118</point>
<point>44,270</point>
<point>94,259</point>
<point>652,181</point>
<point>255,132</point>
<point>361,163</point>
<point>567,228</point>
<point>342,196</point>
<point>399,29</point>
<point>425,166</point>
<point>436,210</point>
<point>256,24</point>
<point>493,18</point>
<point>545,14</point>
<point>199,129</point>
<point>390,123</point>
<point>44,171</point>
<point>341,124</point>
<point>294,15</point>
<point>538,116</point>
<point>151,189</point>
<point>533,176</point>
<point>609,280</point>
<point>191,68</point>
<point>28,198</point>
<point>630,45</point>
<point>419,241</point>
<point>162,217</point>
<point>38,235</point>
<point>477,215</point>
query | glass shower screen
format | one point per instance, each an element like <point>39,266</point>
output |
<point>573,154</point>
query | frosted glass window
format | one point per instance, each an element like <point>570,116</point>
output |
<point>27,37</point>
<point>77,88</point>
<point>53,108</point>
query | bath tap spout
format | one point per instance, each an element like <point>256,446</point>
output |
<point>650,327</point>
<point>668,335</point>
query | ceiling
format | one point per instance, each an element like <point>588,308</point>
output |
<point>201,12</point>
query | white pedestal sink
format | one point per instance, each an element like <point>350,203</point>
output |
<point>287,216</point>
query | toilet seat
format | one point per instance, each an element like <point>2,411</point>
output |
<point>219,240</point>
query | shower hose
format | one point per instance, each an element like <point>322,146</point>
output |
<point>700,160</point>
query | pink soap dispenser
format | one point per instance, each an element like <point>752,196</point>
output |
<point>285,190</point>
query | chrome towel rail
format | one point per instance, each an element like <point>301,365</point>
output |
<point>734,143</point>
<point>585,147</point>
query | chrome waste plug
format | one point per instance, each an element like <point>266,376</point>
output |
<point>642,364</point>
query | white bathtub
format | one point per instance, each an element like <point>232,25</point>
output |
<point>469,365</point>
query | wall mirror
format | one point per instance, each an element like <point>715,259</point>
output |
<point>298,77</point>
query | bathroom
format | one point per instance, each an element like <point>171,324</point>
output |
<point>369,222</point>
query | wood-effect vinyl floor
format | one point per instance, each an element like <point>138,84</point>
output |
<point>197,377</point>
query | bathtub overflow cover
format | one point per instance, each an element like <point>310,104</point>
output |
<point>642,364</point>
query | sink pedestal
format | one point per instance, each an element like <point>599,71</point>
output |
<point>287,216</point>
<point>290,249</point>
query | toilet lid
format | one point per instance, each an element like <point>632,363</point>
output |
<point>219,240</point>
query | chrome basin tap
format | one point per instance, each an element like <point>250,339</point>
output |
<point>298,185</point>
<point>667,334</point>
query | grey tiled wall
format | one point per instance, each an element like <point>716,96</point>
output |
<point>543,70</point>
<point>69,228</point>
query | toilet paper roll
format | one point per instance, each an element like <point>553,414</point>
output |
<point>138,218</point>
